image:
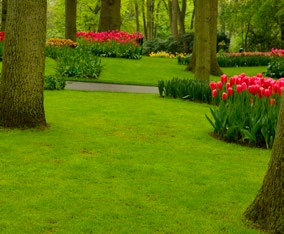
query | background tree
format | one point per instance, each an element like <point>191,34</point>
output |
<point>70,19</point>
<point>203,60</point>
<point>110,15</point>
<point>266,211</point>
<point>21,87</point>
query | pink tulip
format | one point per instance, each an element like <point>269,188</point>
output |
<point>224,79</point>
<point>230,91</point>
<point>224,96</point>
<point>219,85</point>
<point>214,93</point>
<point>239,88</point>
<point>228,85</point>
<point>213,85</point>
<point>267,92</point>
<point>244,86</point>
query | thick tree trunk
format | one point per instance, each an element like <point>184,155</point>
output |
<point>266,211</point>
<point>4,15</point>
<point>150,18</point>
<point>21,87</point>
<point>137,16</point>
<point>204,20</point>
<point>174,23</point>
<point>214,66</point>
<point>110,15</point>
<point>70,19</point>
<point>202,40</point>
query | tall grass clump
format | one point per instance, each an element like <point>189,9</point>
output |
<point>194,90</point>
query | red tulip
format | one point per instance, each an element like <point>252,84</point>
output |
<point>214,93</point>
<point>239,88</point>
<point>244,86</point>
<point>219,85</point>
<point>228,85</point>
<point>213,85</point>
<point>224,96</point>
<point>230,91</point>
<point>224,79</point>
<point>267,92</point>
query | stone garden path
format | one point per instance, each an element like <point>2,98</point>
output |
<point>74,85</point>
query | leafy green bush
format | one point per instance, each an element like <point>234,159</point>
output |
<point>78,62</point>
<point>275,68</point>
<point>183,44</point>
<point>54,82</point>
<point>194,90</point>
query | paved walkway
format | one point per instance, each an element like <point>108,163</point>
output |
<point>74,85</point>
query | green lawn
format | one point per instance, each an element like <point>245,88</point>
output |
<point>149,70</point>
<point>124,163</point>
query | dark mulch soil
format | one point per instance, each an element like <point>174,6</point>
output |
<point>245,143</point>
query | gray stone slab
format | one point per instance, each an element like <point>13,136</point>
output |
<point>74,85</point>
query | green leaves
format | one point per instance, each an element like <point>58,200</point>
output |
<point>194,90</point>
<point>78,62</point>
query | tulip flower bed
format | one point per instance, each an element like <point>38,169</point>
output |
<point>243,59</point>
<point>275,68</point>
<point>113,43</point>
<point>247,109</point>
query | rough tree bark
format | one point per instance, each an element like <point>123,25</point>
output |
<point>110,15</point>
<point>4,15</point>
<point>150,18</point>
<point>214,66</point>
<point>21,87</point>
<point>70,19</point>
<point>174,18</point>
<point>266,211</point>
<point>206,12</point>
<point>202,40</point>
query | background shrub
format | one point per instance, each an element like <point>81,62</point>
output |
<point>54,82</point>
<point>275,68</point>
<point>183,44</point>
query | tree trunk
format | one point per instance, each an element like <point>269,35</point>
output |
<point>137,16</point>
<point>70,19</point>
<point>21,88</point>
<point>150,18</point>
<point>205,26</point>
<point>181,15</point>
<point>266,211</point>
<point>202,40</point>
<point>110,15</point>
<point>144,20</point>
<point>192,16</point>
<point>281,19</point>
<point>174,23</point>
<point>4,15</point>
<point>214,66</point>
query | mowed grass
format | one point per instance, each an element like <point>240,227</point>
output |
<point>125,163</point>
<point>148,71</point>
